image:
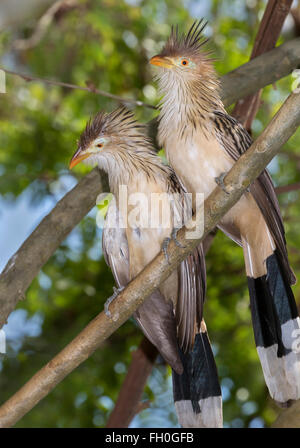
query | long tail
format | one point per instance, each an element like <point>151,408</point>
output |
<point>197,393</point>
<point>275,321</point>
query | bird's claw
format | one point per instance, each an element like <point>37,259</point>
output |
<point>220,181</point>
<point>166,243</point>
<point>165,246</point>
<point>111,299</point>
<point>174,238</point>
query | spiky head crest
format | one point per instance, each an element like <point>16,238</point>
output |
<point>181,44</point>
<point>120,124</point>
<point>188,83</point>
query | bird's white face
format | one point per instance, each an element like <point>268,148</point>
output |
<point>107,138</point>
<point>182,58</point>
<point>92,151</point>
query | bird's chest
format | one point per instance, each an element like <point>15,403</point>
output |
<point>197,161</point>
<point>145,207</point>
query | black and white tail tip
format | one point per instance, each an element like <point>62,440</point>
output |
<point>197,392</point>
<point>276,326</point>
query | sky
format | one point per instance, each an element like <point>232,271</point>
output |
<point>18,218</point>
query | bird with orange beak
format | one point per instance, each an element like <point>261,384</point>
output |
<point>202,142</point>
<point>171,318</point>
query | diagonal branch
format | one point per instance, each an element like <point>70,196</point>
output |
<point>266,38</point>
<point>23,267</point>
<point>260,72</point>
<point>133,386</point>
<point>273,19</point>
<point>236,182</point>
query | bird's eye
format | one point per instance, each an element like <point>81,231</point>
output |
<point>99,145</point>
<point>184,62</point>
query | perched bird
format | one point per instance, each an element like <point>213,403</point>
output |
<point>171,317</point>
<point>202,142</point>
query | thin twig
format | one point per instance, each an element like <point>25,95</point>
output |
<point>242,174</point>
<point>288,188</point>
<point>89,88</point>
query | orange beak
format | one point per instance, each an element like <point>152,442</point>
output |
<point>161,61</point>
<point>78,157</point>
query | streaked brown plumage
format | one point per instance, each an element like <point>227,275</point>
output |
<point>172,315</point>
<point>202,142</point>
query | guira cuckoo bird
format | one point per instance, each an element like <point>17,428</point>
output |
<point>202,142</point>
<point>171,317</point>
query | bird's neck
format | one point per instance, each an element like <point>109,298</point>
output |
<point>133,168</point>
<point>187,106</point>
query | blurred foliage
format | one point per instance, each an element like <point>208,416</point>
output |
<point>108,42</point>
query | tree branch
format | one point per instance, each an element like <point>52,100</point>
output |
<point>127,405</point>
<point>260,72</point>
<point>288,188</point>
<point>42,25</point>
<point>236,182</point>
<point>296,16</point>
<point>266,38</point>
<point>271,25</point>
<point>23,267</point>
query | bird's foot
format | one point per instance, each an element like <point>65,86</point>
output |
<point>220,181</point>
<point>174,238</point>
<point>111,299</point>
<point>166,243</point>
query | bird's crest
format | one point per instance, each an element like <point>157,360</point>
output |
<point>119,122</point>
<point>185,44</point>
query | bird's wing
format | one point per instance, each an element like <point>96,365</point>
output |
<point>115,246</point>
<point>191,294</point>
<point>235,140</point>
<point>191,283</point>
<point>155,316</point>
